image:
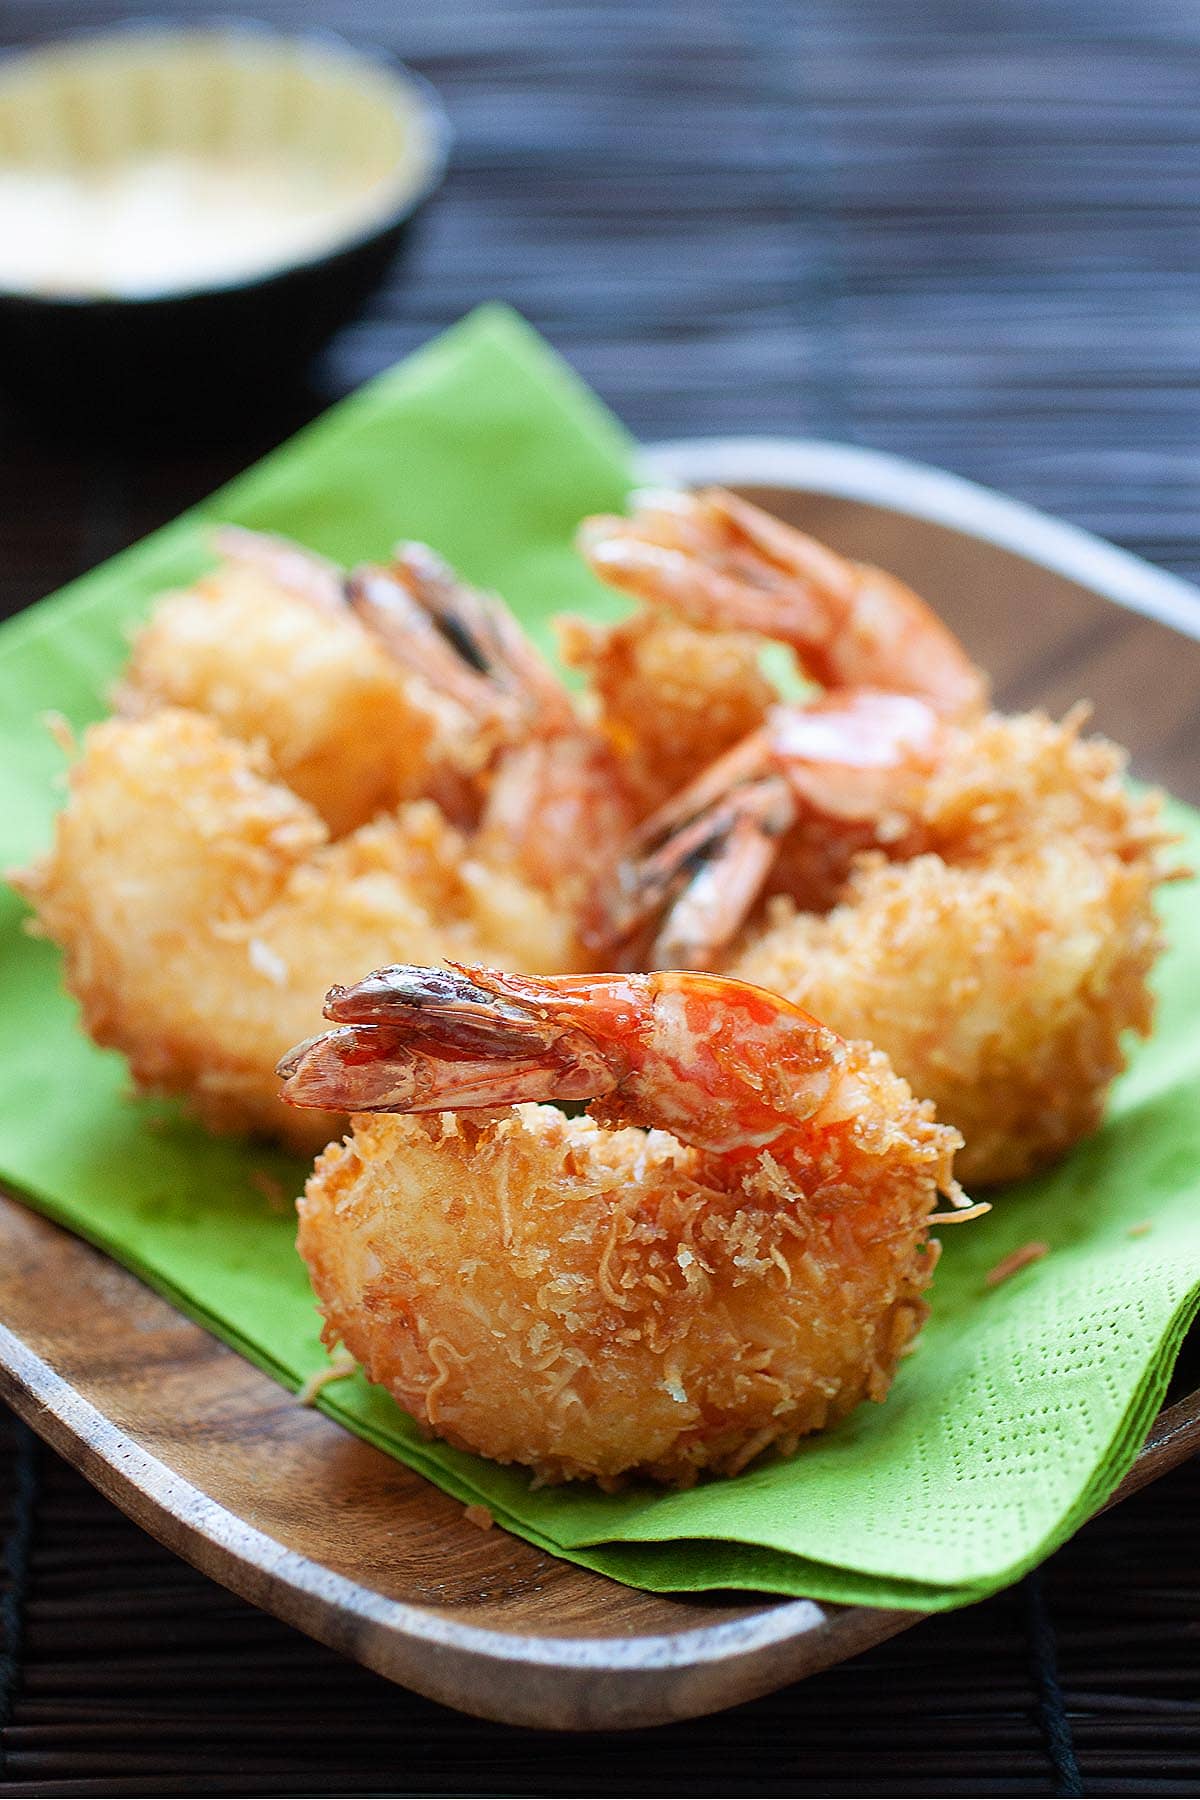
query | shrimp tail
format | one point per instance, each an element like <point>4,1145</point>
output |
<point>697,873</point>
<point>721,1064</point>
<point>700,863</point>
<point>384,603</point>
<point>411,1039</point>
<point>723,564</point>
<point>300,571</point>
<point>465,643</point>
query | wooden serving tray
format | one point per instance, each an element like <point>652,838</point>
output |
<point>300,1517</point>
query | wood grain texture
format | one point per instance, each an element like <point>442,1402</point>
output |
<point>298,1516</point>
<point>308,1522</point>
<point>291,1512</point>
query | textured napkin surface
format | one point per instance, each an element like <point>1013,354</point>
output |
<point>1023,1405</point>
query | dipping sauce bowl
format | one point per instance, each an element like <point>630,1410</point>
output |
<point>186,216</point>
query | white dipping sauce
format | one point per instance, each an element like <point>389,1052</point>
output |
<point>158,223</point>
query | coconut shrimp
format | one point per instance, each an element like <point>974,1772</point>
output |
<point>267,646</point>
<point>999,951</point>
<point>393,682</point>
<point>182,845</point>
<point>203,911</point>
<point>972,893</point>
<point>723,564</point>
<point>729,1252</point>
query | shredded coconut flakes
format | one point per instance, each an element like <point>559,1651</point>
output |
<point>961,1214</point>
<point>1012,1265</point>
<point>268,962</point>
<point>341,1365</point>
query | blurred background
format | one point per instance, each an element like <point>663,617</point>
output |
<point>968,233</point>
<point>965,232</point>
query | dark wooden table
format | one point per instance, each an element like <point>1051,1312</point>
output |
<point>970,234</point>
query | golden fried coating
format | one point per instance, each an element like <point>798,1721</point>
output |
<point>1002,970</point>
<point>987,889</point>
<point>1016,780</point>
<point>672,698</point>
<point>203,912</point>
<point>594,1299</point>
<point>587,1302</point>
<point>346,728</point>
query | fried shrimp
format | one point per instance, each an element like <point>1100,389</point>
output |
<point>218,839</point>
<point>971,893</point>
<point>1004,968</point>
<point>723,564</point>
<point>1000,950</point>
<point>203,911</point>
<point>729,1253</point>
<point>266,646</point>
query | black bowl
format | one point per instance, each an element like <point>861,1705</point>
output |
<point>180,355</point>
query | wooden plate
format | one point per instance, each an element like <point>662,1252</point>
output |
<point>300,1517</point>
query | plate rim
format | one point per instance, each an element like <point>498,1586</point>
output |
<point>576,1683</point>
<point>922,491</point>
<point>755,1639</point>
<point>133,1466</point>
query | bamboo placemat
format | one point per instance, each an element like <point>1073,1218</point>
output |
<point>968,234</point>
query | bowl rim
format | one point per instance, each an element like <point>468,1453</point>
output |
<point>402,79</point>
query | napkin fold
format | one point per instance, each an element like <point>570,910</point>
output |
<point>1023,1406</point>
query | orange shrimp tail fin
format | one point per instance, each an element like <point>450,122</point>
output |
<point>413,1039</point>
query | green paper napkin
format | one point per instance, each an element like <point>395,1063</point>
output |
<point>1023,1405</point>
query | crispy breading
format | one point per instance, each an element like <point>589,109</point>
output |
<point>671,698</point>
<point>203,912</point>
<point>1004,969</point>
<point>587,1301</point>
<point>345,727</point>
<point>598,1296</point>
